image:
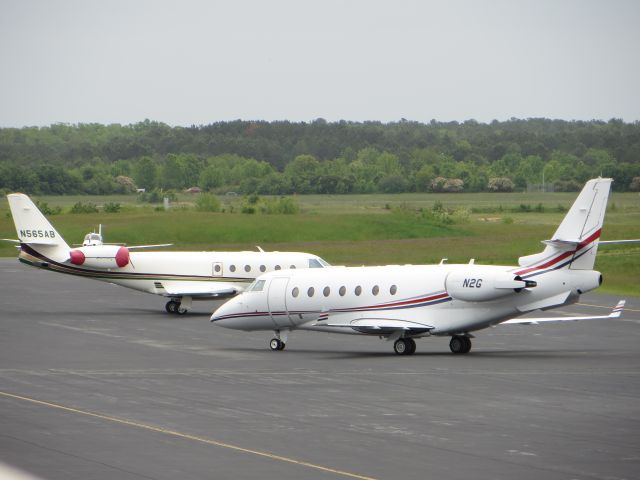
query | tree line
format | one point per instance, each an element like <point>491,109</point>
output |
<point>319,157</point>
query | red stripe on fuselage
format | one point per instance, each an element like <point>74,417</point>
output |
<point>594,236</point>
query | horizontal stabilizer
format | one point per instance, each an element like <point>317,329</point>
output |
<point>618,242</point>
<point>616,312</point>
<point>199,289</point>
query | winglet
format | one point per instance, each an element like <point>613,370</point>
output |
<point>617,310</point>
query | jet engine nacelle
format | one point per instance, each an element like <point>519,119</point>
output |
<point>100,256</point>
<point>481,285</point>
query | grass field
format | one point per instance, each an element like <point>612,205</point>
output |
<point>364,229</point>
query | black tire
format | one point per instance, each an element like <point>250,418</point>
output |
<point>282,345</point>
<point>275,344</point>
<point>457,344</point>
<point>171,307</point>
<point>467,346</point>
<point>412,346</point>
<point>401,346</point>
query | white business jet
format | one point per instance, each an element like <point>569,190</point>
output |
<point>181,276</point>
<point>402,303</point>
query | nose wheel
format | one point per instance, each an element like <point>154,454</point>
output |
<point>460,344</point>
<point>404,346</point>
<point>276,344</point>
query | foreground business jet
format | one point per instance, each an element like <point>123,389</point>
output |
<point>402,303</point>
<point>181,276</point>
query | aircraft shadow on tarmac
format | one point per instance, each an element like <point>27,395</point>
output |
<point>478,355</point>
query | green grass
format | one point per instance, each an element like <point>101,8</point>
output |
<point>363,229</point>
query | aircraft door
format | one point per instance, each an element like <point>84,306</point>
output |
<point>277,302</point>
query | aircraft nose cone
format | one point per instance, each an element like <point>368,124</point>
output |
<point>225,315</point>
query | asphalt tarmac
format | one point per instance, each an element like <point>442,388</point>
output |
<point>97,381</point>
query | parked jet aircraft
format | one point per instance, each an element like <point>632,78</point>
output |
<point>181,276</point>
<point>402,303</point>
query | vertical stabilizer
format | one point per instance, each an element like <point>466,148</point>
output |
<point>575,243</point>
<point>35,230</point>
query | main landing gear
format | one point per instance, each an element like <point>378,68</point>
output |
<point>460,344</point>
<point>404,346</point>
<point>175,307</point>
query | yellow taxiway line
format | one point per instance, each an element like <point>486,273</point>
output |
<point>173,433</point>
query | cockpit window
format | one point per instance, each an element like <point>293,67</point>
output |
<point>317,263</point>
<point>256,286</point>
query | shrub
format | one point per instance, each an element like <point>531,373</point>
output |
<point>500,184</point>
<point>112,207</point>
<point>282,205</point>
<point>207,202</point>
<point>47,210</point>
<point>84,208</point>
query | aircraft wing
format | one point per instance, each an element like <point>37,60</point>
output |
<point>376,326</point>
<point>617,242</point>
<point>200,289</point>
<point>616,312</point>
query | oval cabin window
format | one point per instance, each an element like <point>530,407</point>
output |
<point>295,292</point>
<point>247,268</point>
<point>263,268</point>
<point>375,290</point>
<point>393,290</point>
<point>326,291</point>
<point>358,290</point>
<point>342,291</point>
<point>232,268</point>
<point>310,292</point>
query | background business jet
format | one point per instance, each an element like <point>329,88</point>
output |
<point>181,276</point>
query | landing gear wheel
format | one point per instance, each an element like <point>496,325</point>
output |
<point>404,346</point>
<point>181,311</point>
<point>276,344</point>
<point>460,344</point>
<point>171,306</point>
<point>412,346</point>
<point>467,347</point>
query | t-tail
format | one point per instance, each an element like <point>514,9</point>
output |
<point>34,230</point>
<point>575,243</point>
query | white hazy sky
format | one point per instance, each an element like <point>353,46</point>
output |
<point>196,62</point>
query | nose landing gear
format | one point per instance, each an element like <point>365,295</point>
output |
<point>278,343</point>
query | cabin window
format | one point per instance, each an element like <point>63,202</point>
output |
<point>232,268</point>
<point>295,292</point>
<point>247,268</point>
<point>278,267</point>
<point>217,268</point>
<point>310,292</point>
<point>326,291</point>
<point>393,290</point>
<point>263,268</point>
<point>375,290</point>
<point>358,290</point>
<point>256,286</point>
<point>342,291</point>
<point>292,267</point>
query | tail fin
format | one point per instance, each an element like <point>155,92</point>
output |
<point>35,230</point>
<point>575,243</point>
